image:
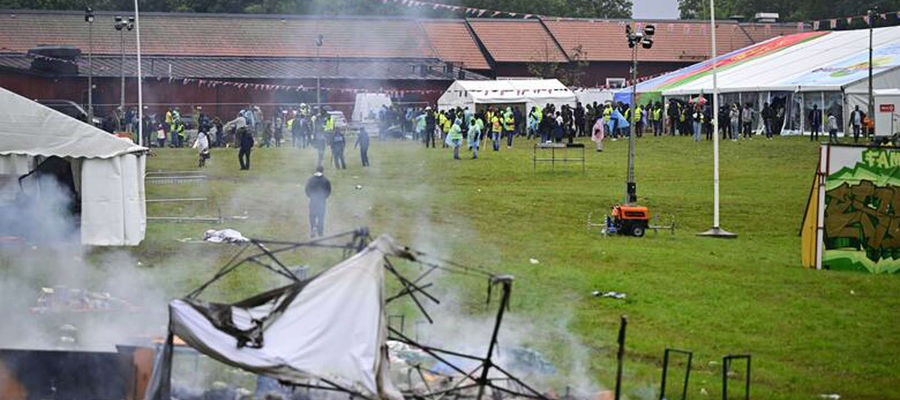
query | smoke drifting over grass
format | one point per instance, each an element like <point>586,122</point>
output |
<point>59,294</point>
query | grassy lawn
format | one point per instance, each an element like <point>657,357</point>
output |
<point>809,332</point>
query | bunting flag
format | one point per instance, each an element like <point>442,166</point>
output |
<point>270,87</point>
<point>815,25</point>
<point>833,23</point>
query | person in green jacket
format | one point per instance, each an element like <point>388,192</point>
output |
<point>454,138</point>
<point>476,126</point>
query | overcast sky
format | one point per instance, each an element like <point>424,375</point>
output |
<point>666,9</point>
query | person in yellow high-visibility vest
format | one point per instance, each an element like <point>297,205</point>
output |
<point>496,129</point>
<point>509,126</point>
<point>638,119</point>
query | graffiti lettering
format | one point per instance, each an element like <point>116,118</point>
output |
<point>866,213</point>
<point>881,159</point>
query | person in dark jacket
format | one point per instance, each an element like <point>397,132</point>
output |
<point>337,149</point>
<point>362,141</point>
<point>246,142</point>
<point>318,188</point>
<point>815,122</point>
<point>430,123</point>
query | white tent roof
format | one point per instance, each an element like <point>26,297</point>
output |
<point>29,128</point>
<point>531,91</point>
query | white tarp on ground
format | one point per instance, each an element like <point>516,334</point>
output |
<point>334,329</point>
<point>532,92</point>
<point>109,170</point>
<point>368,104</point>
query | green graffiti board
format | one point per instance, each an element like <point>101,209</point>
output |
<point>862,214</point>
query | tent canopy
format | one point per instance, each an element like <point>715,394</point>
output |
<point>108,171</point>
<point>806,61</point>
<point>539,92</point>
<point>33,129</point>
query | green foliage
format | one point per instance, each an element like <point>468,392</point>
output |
<point>789,10</point>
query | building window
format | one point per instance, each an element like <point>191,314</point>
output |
<point>615,83</point>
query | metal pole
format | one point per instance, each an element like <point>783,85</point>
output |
<point>715,103</point>
<point>91,72</point>
<point>716,231</point>
<point>871,14</point>
<point>630,185</point>
<point>318,79</point>
<point>620,356</point>
<point>137,30</point>
<point>122,71</point>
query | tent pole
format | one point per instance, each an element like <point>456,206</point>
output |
<point>137,29</point>
<point>715,231</point>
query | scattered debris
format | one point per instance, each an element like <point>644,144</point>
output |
<point>534,261</point>
<point>613,295</point>
<point>832,396</point>
<point>852,292</point>
<point>358,187</point>
<point>224,236</point>
<point>704,392</point>
<point>65,299</point>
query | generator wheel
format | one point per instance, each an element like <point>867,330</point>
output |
<point>637,231</point>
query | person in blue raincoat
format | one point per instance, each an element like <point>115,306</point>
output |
<point>617,121</point>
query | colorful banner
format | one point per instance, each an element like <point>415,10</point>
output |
<point>850,69</point>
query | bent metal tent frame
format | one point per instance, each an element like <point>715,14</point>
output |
<point>329,332</point>
<point>799,70</point>
<point>108,171</point>
<point>531,92</point>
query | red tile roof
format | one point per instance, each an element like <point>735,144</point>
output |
<point>454,42</point>
<point>517,40</point>
<point>222,35</point>
<point>675,41</point>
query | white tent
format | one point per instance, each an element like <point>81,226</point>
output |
<point>531,92</point>
<point>368,104</point>
<point>793,72</point>
<point>108,171</point>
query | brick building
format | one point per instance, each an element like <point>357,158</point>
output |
<point>225,61</point>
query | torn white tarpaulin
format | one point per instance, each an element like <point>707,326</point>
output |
<point>224,236</point>
<point>328,329</point>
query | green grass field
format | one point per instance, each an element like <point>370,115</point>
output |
<point>809,332</point>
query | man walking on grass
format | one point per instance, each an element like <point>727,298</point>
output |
<point>318,188</point>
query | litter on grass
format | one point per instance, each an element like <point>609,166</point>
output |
<point>613,295</point>
<point>224,236</point>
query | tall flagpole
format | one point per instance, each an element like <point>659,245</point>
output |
<point>715,231</point>
<point>137,29</point>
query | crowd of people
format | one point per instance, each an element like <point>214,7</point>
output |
<point>500,124</point>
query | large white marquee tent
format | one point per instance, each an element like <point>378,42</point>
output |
<point>530,92</point>
<point>108,171</point>
<point>793,72</point>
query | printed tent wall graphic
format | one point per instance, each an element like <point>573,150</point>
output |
<point>109,171</point>
<point>532,92</point>
<point>330,328</point>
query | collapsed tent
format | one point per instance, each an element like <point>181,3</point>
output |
<point>105,173</point>
<point>331,332</point>
<point>793,73</point>
<point>525,93</point>
<point>330,328</point>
